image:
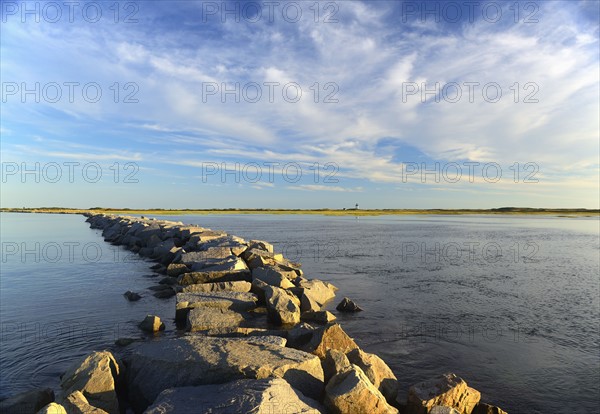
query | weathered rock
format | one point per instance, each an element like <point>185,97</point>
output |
<point>351,392</point>
<point>273,277</point>
<point>447,390</point>
<point>202,256</point>
<point>282,305</point>
<point>239,286</point>
<point>28,401</point>
<point>198,360</point>
<point>300,335</point>
<point>205,318</point>
<point>95,376</point>
<point>263,396</point>
<point>192,278</point>
<point>261,245</point>
<point>334,363</point>
<point>230,264</point>
<point>380,375</point>
<point>483,408</point>
<point>348,305</point>
<point>317,290</point>
<point>76,403</point>
<point>132,296</point>
<point>237,301</point>
<point>329,337</point>
<point>52,408</point>
<point>308,303</point>
<point>440,409</point>
<point>152,323</point>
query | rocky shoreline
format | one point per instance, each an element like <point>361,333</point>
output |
<point>252,337</point>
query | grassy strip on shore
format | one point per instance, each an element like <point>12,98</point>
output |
<point>329,212</point>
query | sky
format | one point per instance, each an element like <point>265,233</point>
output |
<point>306,104</point>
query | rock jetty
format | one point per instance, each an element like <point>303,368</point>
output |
<point>252,336</point>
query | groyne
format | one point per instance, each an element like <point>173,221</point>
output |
<point>252,336</point>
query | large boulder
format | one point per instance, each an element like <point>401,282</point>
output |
<point>28,401</point>
<point>329,337</point>
<point>380,375</point>
<point>229,264</point>
<point>261,245</point>
<point>440,409</point>
<point>52,408</point>
<point>283,306</point>
<point>206,318</point>
<point>448,390</point>
<point>192,278</point>
<point>96,376</point>
<point>351,392</point>
<point>202,256</point>
<point>236,301</point>
<point>76,403</point>
<point>176,269</point>
<point>238,286</point>
<point>273,277</point>
<point>318,291</point>
<point>263,396</point>
<point>200,360</point>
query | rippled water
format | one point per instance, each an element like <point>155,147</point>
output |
<point>512,304</point>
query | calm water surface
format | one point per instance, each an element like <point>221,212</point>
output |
<point>512,304</point>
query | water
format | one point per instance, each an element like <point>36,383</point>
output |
<point>512,304</point>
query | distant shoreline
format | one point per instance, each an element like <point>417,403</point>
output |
<point>579,212</point>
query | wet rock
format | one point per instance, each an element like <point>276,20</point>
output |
<point>380,375</point>
<point>272,395</point>
<point>329,337</point>
<point>447,390</point>
<point>334,363</point>
<point>348,305</point>
<point>351,392</point>
<point>28,401</point>
<point>239,286</point>
<point>95,376</point>
<point>322,317</point>
<point>176,269</point>
<point>52,408</point>
<point>199,360</point>
<point>483,408</point>
<point>282,305</point>
<point>124,341</point>
<point>76,403</point>
<point>152,324</point>
<point>165,293</point>
<point>170,281</point>
<point>132,296</point>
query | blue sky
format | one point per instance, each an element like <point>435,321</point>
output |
<point>369,121</point>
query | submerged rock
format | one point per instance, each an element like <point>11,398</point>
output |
<point>152,324</point>
<point>263,396</point>
<point>199,360</point>
<point>132,296</point>
<point>348,305</point>
<point>28,401</point>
